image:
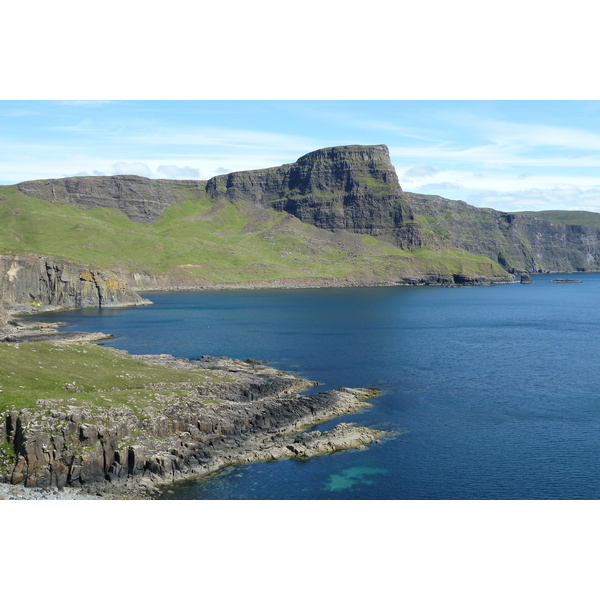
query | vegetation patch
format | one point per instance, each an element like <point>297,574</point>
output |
<point>83,374</point>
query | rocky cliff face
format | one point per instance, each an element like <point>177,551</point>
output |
<point>255,417</point>
<point>520,243</point>
<point>352,188</point>
<point>30,282</point>
<point>142,200</point>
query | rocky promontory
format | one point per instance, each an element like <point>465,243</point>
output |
<point>220,412</point>
<point>336,213</point>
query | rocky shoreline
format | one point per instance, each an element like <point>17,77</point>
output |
<point>243,412</point>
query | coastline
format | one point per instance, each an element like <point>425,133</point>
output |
<point>258,415</point>
<point>325,282</point>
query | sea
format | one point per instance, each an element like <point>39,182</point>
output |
<point>488,393</point>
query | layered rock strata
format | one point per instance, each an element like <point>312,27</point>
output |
<point>350,188</point>
<point>255,416</point>
<point>30,282</point>
<point>344,188</point>
<point>520,243</point>
<point>143,200</point>
<point>354,189</point>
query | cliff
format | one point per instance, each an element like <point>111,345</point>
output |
<point>143,200</point>
<point>521,243</point>
<point>29,282</point>
<point>336,216</point>
<point>347,188</point>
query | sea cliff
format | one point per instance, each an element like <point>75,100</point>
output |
<point>30,283</point>
<point>519,242</point>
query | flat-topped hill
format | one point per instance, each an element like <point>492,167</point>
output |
<point>337,216</point>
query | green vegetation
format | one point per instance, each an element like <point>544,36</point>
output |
<point>87,374</point>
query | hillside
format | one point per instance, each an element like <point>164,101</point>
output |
<point>550,241</point>
<point>337,216</point>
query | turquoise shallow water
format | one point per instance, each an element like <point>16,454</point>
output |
<point>492,392</point>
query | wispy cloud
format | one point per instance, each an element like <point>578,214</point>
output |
<point>527,136</point>
<point>490,156</point>
<point>175,172</point>
<point>216,137</point>
<point>418,172</point>
<point>132,168</point>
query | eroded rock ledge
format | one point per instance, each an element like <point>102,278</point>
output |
<point>247,412</point>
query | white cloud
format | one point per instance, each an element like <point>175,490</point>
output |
<point>175,172</point>
<point>246,140</point>
<point>132,168</point>
<point>509,134</point>
<point>442,185</point>
<point>422,171</point>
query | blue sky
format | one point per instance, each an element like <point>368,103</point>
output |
<point>508,155</point>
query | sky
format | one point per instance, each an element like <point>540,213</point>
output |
<point>507,155</point>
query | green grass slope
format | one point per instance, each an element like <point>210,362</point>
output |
<point>87,374</point>
<point>218,243</point>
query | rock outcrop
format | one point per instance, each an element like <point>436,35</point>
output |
<point>30,282</point>
<point>344,188</point>
<point>351,188</point>
<point>252,415</point>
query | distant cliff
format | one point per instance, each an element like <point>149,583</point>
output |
<point>521,243</point>
<point>33,282</point>
<point>142,200</point>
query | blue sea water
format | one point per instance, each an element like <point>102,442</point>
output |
<point>490,392</point>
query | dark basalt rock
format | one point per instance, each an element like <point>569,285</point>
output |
<point>351,188</point>
<point>565,281</point>
<point>143,200</point>
<point>526,279</point>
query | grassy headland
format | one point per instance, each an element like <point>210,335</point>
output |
<point>224,242</point>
